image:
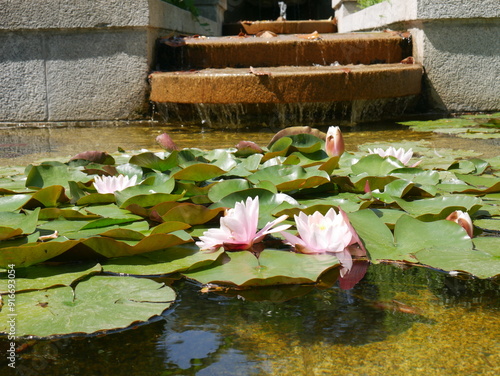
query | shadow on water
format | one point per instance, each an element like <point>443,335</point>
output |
<point>209,334</point>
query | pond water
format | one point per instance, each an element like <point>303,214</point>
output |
<point>26,144</point>
<point>395,321</point>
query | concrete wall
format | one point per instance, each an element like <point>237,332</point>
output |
<point>457,41</point>
<point>66,60</point>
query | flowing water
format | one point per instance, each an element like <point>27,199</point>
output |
<point>396,321</point>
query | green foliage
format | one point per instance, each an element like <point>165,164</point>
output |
<point>185,4</point>
<point>368,3</point>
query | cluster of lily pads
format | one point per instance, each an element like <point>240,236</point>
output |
<point>294,213</point>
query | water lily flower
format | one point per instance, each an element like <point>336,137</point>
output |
<point>403,155</point>
<point>238,228</point>
<point>111,184</point>
<point>334,143</point>
<point>464,220</point>
<point>329,233</point>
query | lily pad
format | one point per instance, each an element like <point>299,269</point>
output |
<point>39,277</point>
<point>170,260</point>
<point>120,303</point>
<point>273,267</point>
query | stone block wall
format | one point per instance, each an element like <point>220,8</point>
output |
<point>80,60</point>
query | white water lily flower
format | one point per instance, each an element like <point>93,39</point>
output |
<point>111,184</point>
<point>403,155</point>
<point>238,228</point>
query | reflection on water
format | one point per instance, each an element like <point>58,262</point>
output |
<point>453,330</point>
<point>24,145</point>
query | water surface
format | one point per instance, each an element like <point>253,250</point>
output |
<point>394,322</point>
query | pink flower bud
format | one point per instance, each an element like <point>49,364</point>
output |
<point>334,143</point>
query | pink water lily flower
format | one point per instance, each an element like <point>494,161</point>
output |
<point>334,142</point>
<point>332,233</point>
<point>238,228</point>
<point>403,155</point>
<point>111,184</point>
<point>464,220</point>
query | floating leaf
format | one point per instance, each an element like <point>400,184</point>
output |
<point>440,207</point>
<point>227,187</point>
<point>154,161</point>
<point>14,202</point>
<point>120,303</point>
<point>109,247</point>
<point>273,267</point>
<point>287,178</point>
<point>27,251</point>
<point>15,224</point>
<point>199,172</point>
<point>375,165</point>
<point>190,213</point>
<point>53,173</point>
<point>39,277</point>
<point>170,260</point>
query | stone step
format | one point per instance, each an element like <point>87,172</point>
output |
<point>280,27</point>
<point>184,53</point>
<point>287,84</point>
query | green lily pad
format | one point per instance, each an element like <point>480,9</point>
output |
<point>14,202</point>
<point>15,224</point>
<point>39,277</point>
<point>27,251</point>
<point>53,173</point>
<point>375,165</point>
<point>166,261</point>
<point>273,267</point>
<point>199,172</point>
<point>155,161</point>
<point>440,207</point>
<point>120,303</point>
<point>109,247</point>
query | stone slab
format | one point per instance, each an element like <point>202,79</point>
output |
<point>283,50</point>
<point>23,95</point>
<point>287,84</point>
<point>280,27</point>
<point>84,14</point>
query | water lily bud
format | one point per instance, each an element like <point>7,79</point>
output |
<point>166,142</point>
<point>463,219</point>
<point>334,143</point>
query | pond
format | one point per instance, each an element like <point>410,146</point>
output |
<point>399,319</point>
<point>393,322</point>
